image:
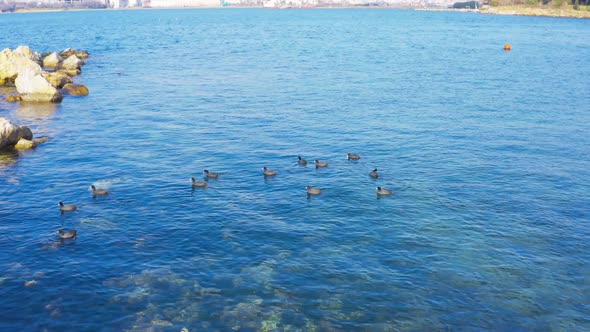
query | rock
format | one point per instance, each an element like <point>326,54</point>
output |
<point>13,98</point>
<point>8,81</point>
<point>27,52</point>
<point>40,140</point>
<point>13,62</point>
<point>56,313</point>
<point>67,52</point>
<point>161,322</point>
<point>72,62</point>
<point>32,86</point>
<point>75,89</point>
<point>30,283</point>
<point>51,61</point>
<point>70,51</point>
<point>11,133</point>
<point>70,72</point>
<point>82,54</point>
<point>57,79</point>
<point>24,144</point>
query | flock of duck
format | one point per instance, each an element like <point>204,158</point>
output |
<point>71,234</point>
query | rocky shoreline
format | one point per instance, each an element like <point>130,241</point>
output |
<point>36,78</point>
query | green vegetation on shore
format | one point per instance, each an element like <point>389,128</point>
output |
<point>553,9</point>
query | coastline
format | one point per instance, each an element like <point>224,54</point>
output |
<point>545,11</point>
<point>515,10</point>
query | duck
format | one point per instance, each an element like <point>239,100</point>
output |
<point>210,175</point>
<point>196,183</point>
<point>301,161</point>
<point>313,191</point>
<point>320,163</point>
<point>383,191</point>
<point>268,172</point>
<point>66,207</point>
<point>374,174</point>
<point>67,234</point>
<point>98,192</point>
<point>352,156</point>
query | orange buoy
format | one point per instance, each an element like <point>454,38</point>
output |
<point>507,47</point>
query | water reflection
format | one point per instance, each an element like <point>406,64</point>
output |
<point>5,91</point>
<point>7,158</point>
<point>33,112</point>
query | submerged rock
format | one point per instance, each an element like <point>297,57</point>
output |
<point>30,283</point>
<point>11,133</point>
<point>75,89</point>
<point>161,322</point>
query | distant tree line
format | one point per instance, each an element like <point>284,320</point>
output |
<point>555,3</point>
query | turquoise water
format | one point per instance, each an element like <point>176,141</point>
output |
<point>487,152</point>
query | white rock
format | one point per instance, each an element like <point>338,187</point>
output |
<point>27,52</point>
<point>51,61</point>
<point>13,62</point>
<point>32,86</point>
<point>72,62</point>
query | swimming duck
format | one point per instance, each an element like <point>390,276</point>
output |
<point>98,192</point>
<point>313,191</point>
<point>210,175</point>
<point>66,207</point>
<point>268,172</point>
<point>320,163</point>
<point>67,234</point>
<point>352,156</point>
<point>301,161</point>
<point>198,183</point>
<point>383,191</point>
<point>374,174</point>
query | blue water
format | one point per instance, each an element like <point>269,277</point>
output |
<point>487,151</point>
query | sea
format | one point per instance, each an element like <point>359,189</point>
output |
<point>486,151</point>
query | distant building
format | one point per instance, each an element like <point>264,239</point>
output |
<point>181,3</point>
<point>57,3</point>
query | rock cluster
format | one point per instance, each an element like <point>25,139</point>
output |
<point>19,137</point>
<point>41,78</point>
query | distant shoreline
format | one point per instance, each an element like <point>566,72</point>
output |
<point>521,10</point>
<point>545,11</point>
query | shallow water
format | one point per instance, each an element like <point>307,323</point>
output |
<point>486,151</point>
